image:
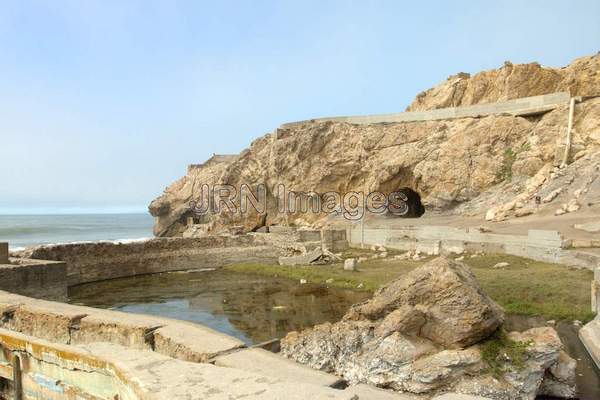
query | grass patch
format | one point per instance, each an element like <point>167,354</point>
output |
<point>525,287</point>
<point>498,348</point>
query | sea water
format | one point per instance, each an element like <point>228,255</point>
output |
<point>28,230</point>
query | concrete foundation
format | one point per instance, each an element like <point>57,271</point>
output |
<point>35,278</point>
<point>590,333</point>
<point>91,262</point>
<point>541,245</point>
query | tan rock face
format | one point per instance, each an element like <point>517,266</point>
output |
<point>581,78</point>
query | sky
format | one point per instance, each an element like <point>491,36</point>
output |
<point>105,103</point>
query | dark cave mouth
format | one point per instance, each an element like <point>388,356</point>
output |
<point>407,204</point>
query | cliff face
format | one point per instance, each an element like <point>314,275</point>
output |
<point>448,162</point>
<point>580,78</point>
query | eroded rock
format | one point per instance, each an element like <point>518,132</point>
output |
<point>429,332</point>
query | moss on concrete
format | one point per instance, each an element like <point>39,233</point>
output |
<point>525,287</point>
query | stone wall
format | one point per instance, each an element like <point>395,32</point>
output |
<point>95,261</point>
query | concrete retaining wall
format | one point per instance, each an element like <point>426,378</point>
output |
<point>58,351</point>
<point>90,262</point>
<point>590,333</point>
<point>523,106</point>
<point>541,245</point>
<point>36,278</point>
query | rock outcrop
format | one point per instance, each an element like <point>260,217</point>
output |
<point>430,332</point>
<point>465,165</point>
<point>580,78</point>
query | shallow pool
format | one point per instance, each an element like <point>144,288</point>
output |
<point>256,309</point>
<point>252,308</point>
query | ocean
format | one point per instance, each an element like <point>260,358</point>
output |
<point>27,230</point>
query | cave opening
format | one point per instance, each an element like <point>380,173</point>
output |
<point>411,206</point>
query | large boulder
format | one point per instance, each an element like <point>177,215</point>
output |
<point>440,301</point>
<point>431,332</point>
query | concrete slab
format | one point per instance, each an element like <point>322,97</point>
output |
<point>266,363</point>
<point>303,259</point>
<point>107,371</point>
<point>126,329</point>
<point>366,392</point>
<point>590,337</point>
<point>591,227</point>
<point>161,377</point>
<point>39,318</point>
<point>192,342</point>
<point>278,229</point>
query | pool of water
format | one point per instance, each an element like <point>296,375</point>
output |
<point>257,309</point>
<point>252,308</point>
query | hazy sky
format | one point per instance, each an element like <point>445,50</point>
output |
<point>104,103</point>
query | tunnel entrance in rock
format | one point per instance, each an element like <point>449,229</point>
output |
<point>406,204</point>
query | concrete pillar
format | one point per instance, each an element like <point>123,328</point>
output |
<point>596,291</point>
<point>3,253</point>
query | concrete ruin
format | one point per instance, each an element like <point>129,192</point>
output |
<point>590,333</point>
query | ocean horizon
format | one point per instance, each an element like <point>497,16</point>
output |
<point>24,230</point>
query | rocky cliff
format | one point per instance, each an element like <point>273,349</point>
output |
<point>466,165</point>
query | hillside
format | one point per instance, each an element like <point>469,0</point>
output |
<point>490,166</point>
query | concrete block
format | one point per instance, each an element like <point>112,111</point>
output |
<point>42,319</point>
<point>590,337</point>
<point>192,342</point>
<point>3,253</point>
<point>429,247</point>
<point>303,259</point>
<point>544,238</point>
<point>125,329</point>
<point>281,229</point>
<point>270,364</point>
<point>452,247</point>
<point>309,235</point>
<point>350,264</point>
<point>35,278</point>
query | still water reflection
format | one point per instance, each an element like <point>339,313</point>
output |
<point>252,308</point>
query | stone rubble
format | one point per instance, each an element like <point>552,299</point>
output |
<point>422,334</point>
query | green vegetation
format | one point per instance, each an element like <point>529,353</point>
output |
<point>525,287</point>
<point>498,347</point>
<point>510,156</point>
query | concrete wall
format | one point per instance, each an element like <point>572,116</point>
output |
<point>35,278</point>
<point>590,333</point>
<point>523,106</point>
<point>89,262</point>
<point>541,245</point>
<point>3,253</point>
